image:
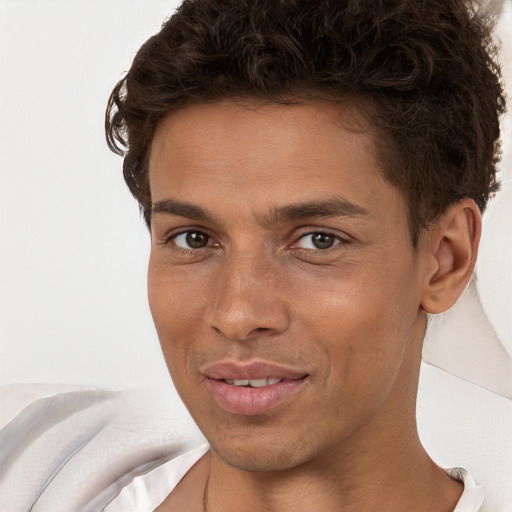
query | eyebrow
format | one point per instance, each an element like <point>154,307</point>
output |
<point>181,209</point>
<point>332,207</point>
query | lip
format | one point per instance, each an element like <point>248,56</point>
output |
<point>252,401</point>
<point>250,370</point>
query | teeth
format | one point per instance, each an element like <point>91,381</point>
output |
<point>258,383</point>
<point>254,383</point>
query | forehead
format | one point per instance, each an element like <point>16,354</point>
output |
<point>267,153</point>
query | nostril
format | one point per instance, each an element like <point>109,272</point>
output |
<point>243,320</point>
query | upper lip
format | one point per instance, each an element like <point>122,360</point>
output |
<point>232,370</point>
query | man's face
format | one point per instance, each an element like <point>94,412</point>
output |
<point>281,255</point>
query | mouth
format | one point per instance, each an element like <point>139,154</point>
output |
<point>253,383</point>
<point>252,389</point>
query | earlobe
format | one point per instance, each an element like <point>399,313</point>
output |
<point>453,245</point>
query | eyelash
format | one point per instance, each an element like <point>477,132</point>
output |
<point>190,250</point>
<point>337,241</point>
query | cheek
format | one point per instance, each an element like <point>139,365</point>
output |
<point>175,296</point>
<point>360,332</point>
<point>363,323</point>
<point>176,308</point>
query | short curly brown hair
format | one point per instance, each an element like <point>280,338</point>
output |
<point>425,69</point>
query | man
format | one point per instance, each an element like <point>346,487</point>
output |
<point>313,174</point>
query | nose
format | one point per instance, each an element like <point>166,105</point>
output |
<point>249,299</point>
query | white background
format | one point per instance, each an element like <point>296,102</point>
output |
<point>73,250</point>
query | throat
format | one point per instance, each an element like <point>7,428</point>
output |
<point>228,489</point>
<point>190,493</point>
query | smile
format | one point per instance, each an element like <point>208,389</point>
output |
<point>252,388</point>
<point>253,383</point>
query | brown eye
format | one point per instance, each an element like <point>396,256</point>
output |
<point>322,240</point>
<point>318,241</point>
<point>191,240</point>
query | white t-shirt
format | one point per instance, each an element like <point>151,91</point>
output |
<point>473,496</point>
<point>89,450</point>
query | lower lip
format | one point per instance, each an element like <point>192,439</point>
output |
<point>251,401</point>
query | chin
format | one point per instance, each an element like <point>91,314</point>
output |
<point>257,462</point>
<point>260,453</point>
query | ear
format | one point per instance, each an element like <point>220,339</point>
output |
<point>453,248</point>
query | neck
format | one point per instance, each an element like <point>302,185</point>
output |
<point>347,480</point>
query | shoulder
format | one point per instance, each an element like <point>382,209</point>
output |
<point>75,448</point>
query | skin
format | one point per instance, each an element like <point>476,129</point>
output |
<point>351,316</point>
